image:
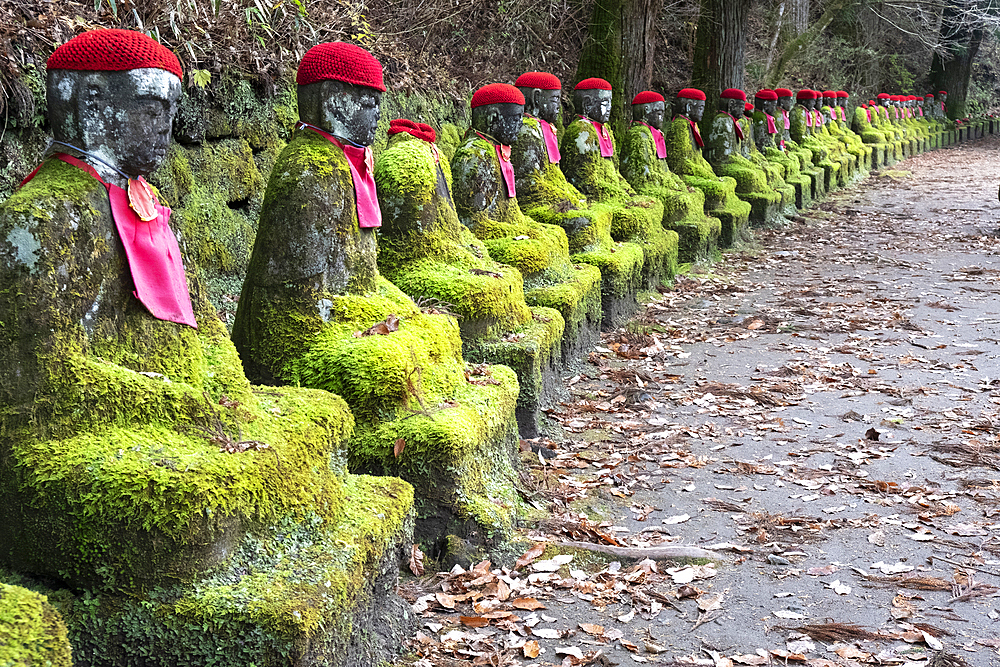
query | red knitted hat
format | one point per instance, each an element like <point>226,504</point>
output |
<point>733,94</point>
<point>593,83</point>
<point>541,80</point>
<point>114,51</point>
<point>766,94</point>
<point>691,94</point>
<point>497,93</point>
<point>748,107</point>
<point>805,94</point>
<point>896,98</point>
<point>418,130</point>
<point>928,95</point>
<point>340,61</point>
<point>647,97</point>
<point>882,96</point>
<point>842,93</point>
<point>829,93</point>
<point>782,92</point>
<point>942,92</point>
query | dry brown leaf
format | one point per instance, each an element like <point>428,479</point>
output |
<point>397,448</point>
<point>385,328</point>
<point>528,604</point>
<point>417,561</point>
<point>445,600</point>
<point>530,649</point>
<point>592,629</point>
<point>474,621</point>
<point>530,555</point>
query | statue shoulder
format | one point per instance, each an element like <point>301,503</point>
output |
<point>406,164</point>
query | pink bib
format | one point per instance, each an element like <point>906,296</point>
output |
<point>809,118</point>
<point>788,122</point>
<point>154,258</point>
<point>603,138</point>
<point>361,163</point>
<point>771,127</point>
<point>658,141</point>
<point>506,168</point>
<point>551,141</point>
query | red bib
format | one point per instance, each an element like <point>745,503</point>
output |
<point>154,257</point>
<point>362,164</point>
<point>551,141</point>
<point>603,138</point>
<point>658,140</point>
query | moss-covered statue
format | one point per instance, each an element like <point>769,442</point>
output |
<point>771,147</point>
<point>485,195</point>
<point>774,171</point>
<point>684,157</point>
<point>862,125</point>
<point>724,146</point>
<point>203,519</point>
<point>425,251</point>
<point>836,126</point>
<point>823,133</point>
<point>543,193</point>
<point>316,312</point>
<point>644,166</point>
<point>590,162</point>
<point>817,178</point>
<point>883,122</point>
<point>804,133</point>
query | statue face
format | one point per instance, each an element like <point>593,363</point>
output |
<point>544,104</point>
<point>650,113</point>
<point>942,97</point>
<point>767,106</point>
<point>349,111</point>
<point>594,104</point>
<point>697,110</point>
<point>732,107</point>
<point>122,117</point>
<point>786,103</point>
<point>500,121</point>
<point>842,102</point>
<point>809,104</point>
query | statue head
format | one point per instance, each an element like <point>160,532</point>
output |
<point>829,98</point>
<point>806,98</point>
<point>731,100</point>
<point>113,93</point>
<point>928,98</point>
<point>942,96</point>
<point>498,112</point>
<point>690,102</point>
<point>340,90</point>
<point>842,97</point>
<point>785,98</point>
<point>766,100</point>
<point>649,107</point>
<point>883,99</point>
<point>592,98</point>
<point>542,95</point>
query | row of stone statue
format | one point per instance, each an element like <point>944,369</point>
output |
<point>412,312</point>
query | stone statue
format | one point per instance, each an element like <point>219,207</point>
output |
<point>426,252</point>
<point>861,125</point>
<point>786,101</point>
<point>644,166</point>
<point>485,194</point>
<point>684,157</point>
<point>771,147</point>
<point>545,195</point>
<point>838,130</point>
<point>316,312</point>
<point>133,450</point>
<point>590,162</point>
<point>805,133</point>
<point>724,146</point>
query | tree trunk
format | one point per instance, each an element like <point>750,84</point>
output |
<point>719,51</point>
<point>951,67</point>
<point>620,48</point>
<point>798,16</point>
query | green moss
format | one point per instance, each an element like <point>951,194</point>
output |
<point>299,591</point>
<point>32,632</point>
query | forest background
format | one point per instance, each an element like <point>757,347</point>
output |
<point>240,56</point>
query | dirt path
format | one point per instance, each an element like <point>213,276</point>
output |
<point>826,407</point>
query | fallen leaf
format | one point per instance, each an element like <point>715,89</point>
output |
<point>531,554</point>
<point>530,649</point>
<point>570,650</point>
<point>474,621</point>
<point>416,561</point>
<point>553,564</point>
<point>390,325</point>
<point>932,641</point>
<point>871,434</point>
<point>784,613</point>
<point>528,604</point>
<point>839,588</point>
<point>822,571</point>
<point>397,448</point>
<point>711,602</point>
<point>679,518</point>
<point>592,629</point>
<point>546,633</point>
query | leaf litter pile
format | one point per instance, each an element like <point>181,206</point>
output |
<point>792,457</point>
